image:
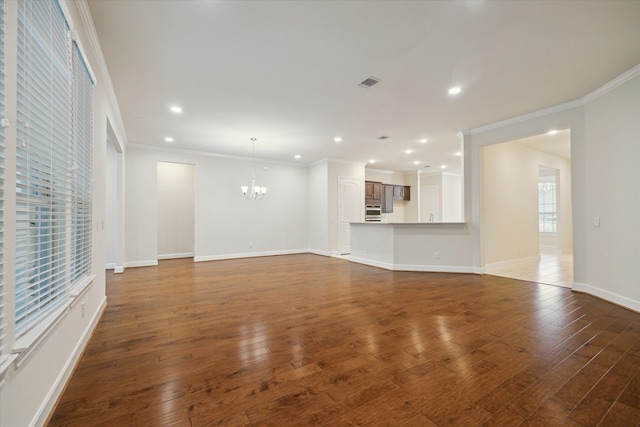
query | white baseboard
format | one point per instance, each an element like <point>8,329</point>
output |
<point>248,255</point>
<point>110,266</point>
<point>149,263</point>
<point>511,262</point>
<point>173,256</point>
<point>373,263</point>
<point>119,269</point>
<point>612,297</point>
<point>45,409</point>
<point>319,252</point>
<point>416,268</point>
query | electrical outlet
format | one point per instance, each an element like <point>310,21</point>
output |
<point>83,311</point>
<point>437,255</point>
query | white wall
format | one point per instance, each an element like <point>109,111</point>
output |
<point>451,197</point>
<point>604,178</point>
<point>226,224</point>
<point>510,193</point>
<point>318,188</point>
<point>29,391</point>
<point>612,177</point>
<point>176,200</point>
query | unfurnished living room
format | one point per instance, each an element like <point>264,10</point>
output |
<point>398,213</point>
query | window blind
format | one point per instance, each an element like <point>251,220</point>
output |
<point>3,310</point>
<point>42,160</point>
<point>82,119</point>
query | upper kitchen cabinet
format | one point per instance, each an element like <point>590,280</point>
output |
<point>401,192</point>
<point>372,193</point>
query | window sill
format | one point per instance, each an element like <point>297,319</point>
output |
<point>5,361</point>
<point>29,340</point>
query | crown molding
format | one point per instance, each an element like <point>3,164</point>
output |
<point>176,150</point>
<point>608,87</point>
<point>87,22</point>
<point>529,116</point>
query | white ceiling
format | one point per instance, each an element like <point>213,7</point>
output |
<point>286,72</point>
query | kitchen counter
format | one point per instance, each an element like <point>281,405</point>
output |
<point>413,246</point>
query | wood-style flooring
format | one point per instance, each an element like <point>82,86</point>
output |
<point>305,339</point>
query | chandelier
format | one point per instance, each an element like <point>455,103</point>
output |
<point>256,192</point>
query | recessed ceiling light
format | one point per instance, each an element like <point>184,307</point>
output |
<point>175,109</point>
<point>297,156</point>
<point>417,162</point>
<point>337,139</point>
<point>168,139</point>
<point>372,161</point>
<point>443,166</point>
<point>409,151</point>
<point>423,141</point>
<point>552,132</point>
<point>458,153</point>
<point>455,90</point>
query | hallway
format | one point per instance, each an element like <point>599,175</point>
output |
<point>550,269</point>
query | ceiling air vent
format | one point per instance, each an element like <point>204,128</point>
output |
<point>383,137</point>
<point>368,82</point>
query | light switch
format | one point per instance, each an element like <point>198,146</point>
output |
<point>596,221</point>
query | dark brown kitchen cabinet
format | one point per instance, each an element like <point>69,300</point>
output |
<point>401,192</point>
<point>372,193</point>
<point>387,198</point>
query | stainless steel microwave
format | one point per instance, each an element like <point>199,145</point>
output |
<point>373,213</point>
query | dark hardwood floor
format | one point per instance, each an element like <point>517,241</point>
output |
<point>306,339</point>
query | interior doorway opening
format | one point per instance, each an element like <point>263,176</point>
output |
<point>527,218</point>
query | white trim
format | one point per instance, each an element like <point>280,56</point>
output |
<point>371,262</point>
<point>6,360</point>
<point>417,267</point>
<point>512,262</point>
<point>608,87</point>
<point>319,252</point>
<point>434,268</point>
<point>149,263</point>
<point>119,269</point>
<point>63,377</point>
<point>80,288</point>
<point>172,256</point>
<point>209,154</point>
<point>513,120</point>
<point>30,339</point>
<point>248,255</point>
<point>612,297</point>
<point>110,266</point>
<point>87,23</point>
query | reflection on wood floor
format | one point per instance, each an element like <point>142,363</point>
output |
<point>550,269</point>
<point>305,339</point>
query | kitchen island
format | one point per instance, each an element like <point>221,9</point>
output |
<point>414,246</point>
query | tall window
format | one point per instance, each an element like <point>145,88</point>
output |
<point>2,114</point>
<point>53,163</point>
<point>547,211</point>
<point>81,169</point>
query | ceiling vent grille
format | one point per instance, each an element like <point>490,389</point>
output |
<point>369,82</point>
<point>383,137</point>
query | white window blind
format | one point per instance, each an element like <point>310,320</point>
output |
<point>42,161</point>
<point>3,310</point>
<point>82,119</point>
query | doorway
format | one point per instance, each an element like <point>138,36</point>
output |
<point>114,204</point>
<point>350,205</point>
<point>527,219</point>
<point>176,210</point>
